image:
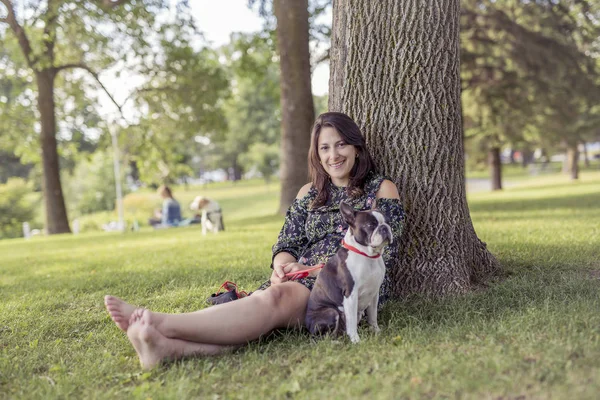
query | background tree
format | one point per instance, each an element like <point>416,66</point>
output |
<point>182,98</point>
<point>296,96</point>
<point>61,36</point>
<point>528,63</point>
<point>253,111</point>
<point>399,79</point>
<point>263,158</point>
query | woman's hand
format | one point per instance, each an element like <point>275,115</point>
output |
<point>278,275</point>
<point>280,271</point>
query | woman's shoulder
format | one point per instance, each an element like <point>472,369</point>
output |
<point>380,186</point>
<point>387,190</point>
<point>305,191</point>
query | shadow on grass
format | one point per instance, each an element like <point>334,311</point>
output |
<point>549,296</point>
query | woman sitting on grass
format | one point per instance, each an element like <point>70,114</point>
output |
<point>170,214</point>
<point>341,169</point>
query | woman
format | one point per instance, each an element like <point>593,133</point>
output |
<point>341,169</point>
<point>170,214</point>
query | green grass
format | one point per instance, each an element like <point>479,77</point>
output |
<point>516,173</point>
<point>534,334</point>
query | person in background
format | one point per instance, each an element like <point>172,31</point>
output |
<point>170,214</point>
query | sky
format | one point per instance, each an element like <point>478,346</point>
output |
<point>217,20</point>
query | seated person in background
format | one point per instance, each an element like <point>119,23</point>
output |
<point>212,216</point>
<point>170,214</point>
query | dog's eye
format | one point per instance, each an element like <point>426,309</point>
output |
<point>371,226</point>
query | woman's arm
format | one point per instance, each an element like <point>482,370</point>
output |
<point>292,237</point>
<point>388,203</point>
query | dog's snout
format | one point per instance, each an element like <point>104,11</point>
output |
<point>381,236</point>
<point>385,232</point>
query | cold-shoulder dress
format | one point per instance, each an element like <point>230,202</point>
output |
<point>313,235</point>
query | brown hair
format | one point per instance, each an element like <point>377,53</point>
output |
<point>164,191</point>
<point>351,134</point>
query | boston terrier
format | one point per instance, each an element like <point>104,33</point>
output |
<point>348,285</point>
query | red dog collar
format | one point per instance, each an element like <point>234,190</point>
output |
<point>357,251</point>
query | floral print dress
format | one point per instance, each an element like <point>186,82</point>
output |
<point>312,236</point>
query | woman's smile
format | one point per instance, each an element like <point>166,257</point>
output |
<point>337,165</point>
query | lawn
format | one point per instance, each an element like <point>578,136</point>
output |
<point>535,334</point>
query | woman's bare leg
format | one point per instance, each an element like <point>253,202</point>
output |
<point>238,322</point>
<point>152,347</point>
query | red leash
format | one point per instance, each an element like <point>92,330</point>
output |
<point>354,249</point>
<point>302,274</point>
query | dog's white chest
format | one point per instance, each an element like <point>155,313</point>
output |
<point>368,276</point>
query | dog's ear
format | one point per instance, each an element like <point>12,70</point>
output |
<point>347,213</point>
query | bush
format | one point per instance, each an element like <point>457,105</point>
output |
<point>263,157</point>
<point>15,207</point>
<point>91,188</point>
<point>137,203</point>
<point>95,222</point>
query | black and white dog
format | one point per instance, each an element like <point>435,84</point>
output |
<point>348,285</point>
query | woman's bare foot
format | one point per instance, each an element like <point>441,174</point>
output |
<point>119,311</point>
<point>152,346</point>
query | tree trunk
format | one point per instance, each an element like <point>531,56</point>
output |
<point>237,170</point>
<point>545,159</point>
<point>56,212</point>
<point>134,171</point>
<point>395,70</point>
<point>526,157</point>
<point>495,168</point>
<point>573,161</point>
<point>586,159</point>
<point>296,96</point>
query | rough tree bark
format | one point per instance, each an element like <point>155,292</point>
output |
<point>495,168</point>
<point>395,70</point>
<point>296,96</point>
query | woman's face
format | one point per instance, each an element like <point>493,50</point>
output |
<point>337,157</point>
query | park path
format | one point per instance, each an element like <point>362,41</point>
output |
<point>484,184</point>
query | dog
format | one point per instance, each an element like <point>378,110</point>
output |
<point>348,285</point>
<point>212,216</point>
